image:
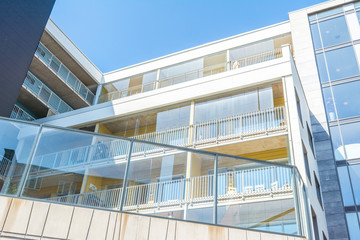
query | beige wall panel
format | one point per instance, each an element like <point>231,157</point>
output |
<point>80,223</point>
<point>117,230</point>
<point>4,207</point>
<point>269,236</point>
<point>18,216</point>
<point>236,234</point>
<point>158,229</point>
<point>134,227</point>
<point>252,235</point>
<point>111,225</point>
<point>98,226</point>
<point>37,218</point>
<point>185,231</point>
<point>171,230</point>
<point>58,221</point>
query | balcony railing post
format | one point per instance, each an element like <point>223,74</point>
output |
<point>215,184</point>
<point>123,194</point>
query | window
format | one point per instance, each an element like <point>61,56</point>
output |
<point>306,163</point>
<point>321,65</point>
<point>315,224</point>
<point>354,171</point>
<point>34,183</point>
<point>347,99</point>
<point>329,104</point>
<point>334,31</point>
<point>342,63</point>
<point>347,144</point>
<point>324,236</point>
<point>310,138</point>
<point>353,225</point>
<point>345,186</point>
<point>318,190</point>
<point>66,188</point>
<point>315,36</point>
<point>299,108</point>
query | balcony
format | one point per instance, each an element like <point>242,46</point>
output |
<point>21,114</point>
<point>60,79</point>
<point>47,96</point>
<point>191,75</point>
<point>234,186</point>
<point>82,168</point>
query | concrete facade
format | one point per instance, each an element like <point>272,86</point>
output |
<point>27,219</point>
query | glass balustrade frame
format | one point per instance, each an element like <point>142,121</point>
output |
<point>288,182</point>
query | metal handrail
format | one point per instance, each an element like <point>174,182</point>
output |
<point>64,73</point>
<point>244,184</point>
<point>191,75</point>
<point>19,113</point>
<point>51,99</point>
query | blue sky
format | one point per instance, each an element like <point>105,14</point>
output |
<point>119,33</point>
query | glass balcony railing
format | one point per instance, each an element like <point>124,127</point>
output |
<point>82,168</point>
<point>266,121</point>
<point>21,114</point>
<point>63,73</point>
<point>199,73</point>
<point>52,100</point>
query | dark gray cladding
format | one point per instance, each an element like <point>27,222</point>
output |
<point>22,23</point>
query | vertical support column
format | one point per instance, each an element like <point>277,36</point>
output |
<point>122,200</point>
<point>190,140</point>
<point>228,63</point>
<point>215,188</point>
<point>28,165</point>
<point>98,94</point>
<point>157,84</point>
<point>296,201</point>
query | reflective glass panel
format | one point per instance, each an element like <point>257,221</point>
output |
<point>329,104</point>
<point>354,171</point>
<point>345,186</point>
<point>342,63</point>
<point>351,139</point>
<point>353,225</point>
<point>347,99</point>
<point>320,60</point>
<point>16,143</point>
<point>337,143</point>
<point>315,36</point>
<point>334,31</point>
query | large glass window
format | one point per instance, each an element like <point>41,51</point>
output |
<point>329,104</point>
<point>350,148</point>
<point>353,225</point>
<point>342,63</point>
<point>355,179</point>
<point>337,143</point>
<point>323,73</point>
<point>334,31</point>
<point>247,102</point>
<point>315,36</point>
<point>347,99</point>
<point>345,186</point>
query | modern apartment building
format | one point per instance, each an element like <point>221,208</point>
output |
<point>176,137</point>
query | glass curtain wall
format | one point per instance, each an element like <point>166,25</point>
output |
<point>337,55</point>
